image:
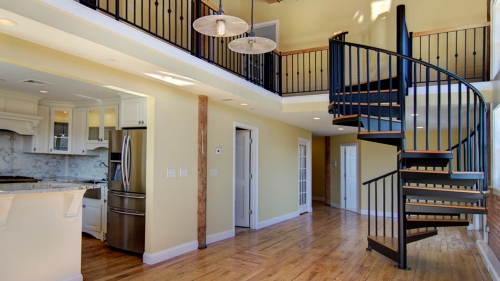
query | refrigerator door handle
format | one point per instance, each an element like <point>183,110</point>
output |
<point>129,157</point>
<point>126,196</point>
<point>124,165</point>
<point>126,213</point>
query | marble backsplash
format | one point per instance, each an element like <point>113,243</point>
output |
<point>15,162</point>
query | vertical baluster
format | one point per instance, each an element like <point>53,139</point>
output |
<point>378,94</point>
<point>469,160</point>
<point>456,52</point>
<point>383,202</point>
<point>474,54</point>
<point>415,113</point>
<point>483,75</point>
<point>465,55</point>
<point>376,210</point>
<point>350,73</point>
<point>427,94</point>
<point>309,61</point>
<point>459,148</point>
<point>321,66</point>
<point>392,205</point>
<point>369,211</point>
<point>447,49</point>
<point>169,19</point>
<point>390,93</point>
<point>439,111</point>
<point>450,168</point>
<point>359,84</point>
<point>368,87</point>
<point>476,144</point>
<point>437,56</point>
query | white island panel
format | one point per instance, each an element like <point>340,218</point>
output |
<point>39,240</point>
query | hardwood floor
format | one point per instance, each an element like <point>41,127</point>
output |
<point>328,244</point>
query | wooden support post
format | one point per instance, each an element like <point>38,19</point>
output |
<point>202,171</point>
<point>327,171</point>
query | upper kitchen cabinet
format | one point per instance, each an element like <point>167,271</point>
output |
<point>80,133</point>
<point>60,130</point>
<point>133,113</point>
<point>100,120</point>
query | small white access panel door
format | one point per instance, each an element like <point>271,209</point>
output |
<point>242,179</point>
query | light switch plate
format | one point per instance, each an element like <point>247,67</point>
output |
<point>171,173</point>
<point>218,150</point>
<point>183,173</point>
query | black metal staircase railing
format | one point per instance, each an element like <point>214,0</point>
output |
<point>438,128</point>
<point>293,72</point>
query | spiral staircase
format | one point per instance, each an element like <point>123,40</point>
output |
<point>440,180</point>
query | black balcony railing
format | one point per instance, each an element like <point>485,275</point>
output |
<point>301,71</point>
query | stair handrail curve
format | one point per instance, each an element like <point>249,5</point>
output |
<point>379,177</point>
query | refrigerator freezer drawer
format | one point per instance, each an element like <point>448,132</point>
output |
<point>126,230</point>
<point>124,200</point>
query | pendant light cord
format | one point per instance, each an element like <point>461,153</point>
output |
<point>252,34</point>
<point>220,12</point>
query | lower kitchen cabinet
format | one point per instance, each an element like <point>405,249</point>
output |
<point>93,212</point>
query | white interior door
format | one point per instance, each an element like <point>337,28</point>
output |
<point>242,179</point>
<point>349,177</point>
<point>303,198</point>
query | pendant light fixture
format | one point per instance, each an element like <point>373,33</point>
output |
<point>252,45</point>
<point>220,25</point>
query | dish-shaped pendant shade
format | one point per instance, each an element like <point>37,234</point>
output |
<point>220,25</point>
<point>252,45</point>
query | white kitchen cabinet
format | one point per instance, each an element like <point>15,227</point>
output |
<point>40,142</point>
<point>80,133</point>
<point>60,130</point>
<point>100,120</point>
<point>133,113</point>
<point>92,217</point>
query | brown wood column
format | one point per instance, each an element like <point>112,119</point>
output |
<point>202,171</point>
<point>327,171</point>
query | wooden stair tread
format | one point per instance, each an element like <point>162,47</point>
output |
<point>445,206</point>
<point>367,92</point>
<point>385,104</point>
<point>451,190</point>
<point>389,242</point>
<point>435,220</point>
<point>421,233</point>
<point>364,116</point>
<point>427,151</point>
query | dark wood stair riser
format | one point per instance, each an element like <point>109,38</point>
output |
<point>393,138</point>
<point>385,83</point>
<point>442,178</point>
<point>414,208</point>
<point>410,238</point>
<point>368,123</point>
<point>415,223</point>
<point>373,111</point>
<point>443,194</point>
<point>372,97</point>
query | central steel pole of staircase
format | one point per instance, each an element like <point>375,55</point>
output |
<point>402,48</point>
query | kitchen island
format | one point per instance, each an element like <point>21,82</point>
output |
<point>41,230</point>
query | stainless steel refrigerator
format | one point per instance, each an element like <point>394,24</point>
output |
<point>126,216</point>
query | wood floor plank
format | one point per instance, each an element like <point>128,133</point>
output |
<point>327,244</point>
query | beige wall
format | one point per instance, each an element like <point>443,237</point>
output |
<point>318,167</point>
<point>172,143</point>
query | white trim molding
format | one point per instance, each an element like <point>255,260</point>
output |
<point>276,220</point>
<point>153,258</point>
<point>216,237</point>
<point>78,277</point>
<point>490,259</point>
<point>336,205</point>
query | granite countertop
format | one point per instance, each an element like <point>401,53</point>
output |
<point>46,186</point>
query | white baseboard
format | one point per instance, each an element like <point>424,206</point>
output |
<point>490,260</point>
<point>152,258</point>
<point>318,199</point>
<point>379,213</point>
<point>220,236</point>
<point>276,220</point>
<point>335,205</point>
<point>78,277</point>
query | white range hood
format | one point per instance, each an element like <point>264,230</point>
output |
<point>19,123</point>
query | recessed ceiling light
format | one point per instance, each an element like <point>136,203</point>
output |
<point>172,80</point>
<point>7,22</point>
<point>414,114</point>
<point>43,92</point>
<point>65,111</point>
<point>420,127</point>
<point>341,129</point>
<point>316,118</point>
<point>244,104</point>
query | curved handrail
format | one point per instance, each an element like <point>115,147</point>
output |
<point>380,177</point>
<point>437,68</point>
